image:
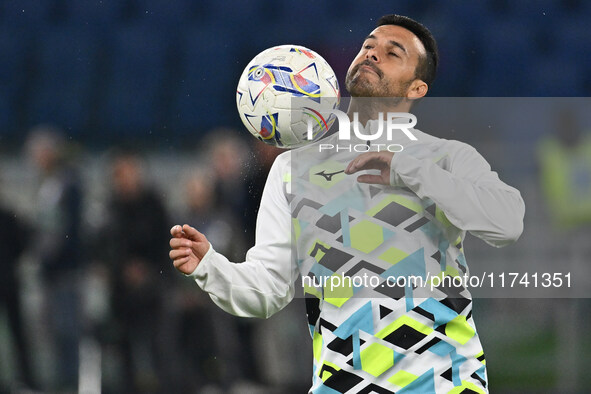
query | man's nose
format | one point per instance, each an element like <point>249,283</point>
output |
<point>372,55</point>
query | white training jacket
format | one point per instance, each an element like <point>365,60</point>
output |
<point>314,221</point>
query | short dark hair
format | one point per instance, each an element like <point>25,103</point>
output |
<point>427,68</point>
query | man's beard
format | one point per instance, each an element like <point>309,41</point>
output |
<point>359,85</point>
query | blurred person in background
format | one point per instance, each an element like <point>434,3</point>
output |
<point>13,238</point>
<point>240,171</point>
<point>225,203</point>
<point>228,160</point>
<point>231,168</point>
<point>56,249</point>
<point>564,160</point>
<point>204,209</point>
<point>565,171</point>
<point>134,248</point>
<point>208,339</point>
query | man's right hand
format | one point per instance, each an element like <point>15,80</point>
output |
<point>188,248</point>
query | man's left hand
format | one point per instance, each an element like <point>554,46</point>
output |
<point>372,161</point>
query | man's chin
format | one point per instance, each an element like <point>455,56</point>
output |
<point>361,89</point>
<point>366,93</point>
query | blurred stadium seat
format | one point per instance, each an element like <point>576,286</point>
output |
<point>507,56</point>
<point>104,13</point>
<point>208,75</point>
<point>66,60</point>
<point>160,13</point>
<point>555,76</point>
<point>13,47</point>
<point>136,72</point>
<point>32,13</point>
<point>529,9</point>
<point>455,57</point>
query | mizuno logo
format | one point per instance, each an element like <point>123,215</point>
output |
<point>328,176</point>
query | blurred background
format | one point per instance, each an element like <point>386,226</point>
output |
<point>118,119</point>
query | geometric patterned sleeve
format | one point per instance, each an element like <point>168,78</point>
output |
<point>470,194</point>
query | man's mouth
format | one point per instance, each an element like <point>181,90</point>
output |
<point>367,68</point>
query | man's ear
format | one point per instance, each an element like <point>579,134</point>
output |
<point>417,89</point>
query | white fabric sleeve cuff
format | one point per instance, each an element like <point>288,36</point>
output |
<point>201,266</point>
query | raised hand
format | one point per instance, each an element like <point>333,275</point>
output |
<point>188,246</point>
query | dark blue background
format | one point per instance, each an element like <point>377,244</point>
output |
<point>154,71</point>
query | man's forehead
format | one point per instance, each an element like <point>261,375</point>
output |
<point>401,35</point>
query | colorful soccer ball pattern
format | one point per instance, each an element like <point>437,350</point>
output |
<point>283,89</point>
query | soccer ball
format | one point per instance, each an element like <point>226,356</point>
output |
<point>283,90</point>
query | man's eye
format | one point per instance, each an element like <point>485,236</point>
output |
<point>367,47</point>
<point>392,54</point>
